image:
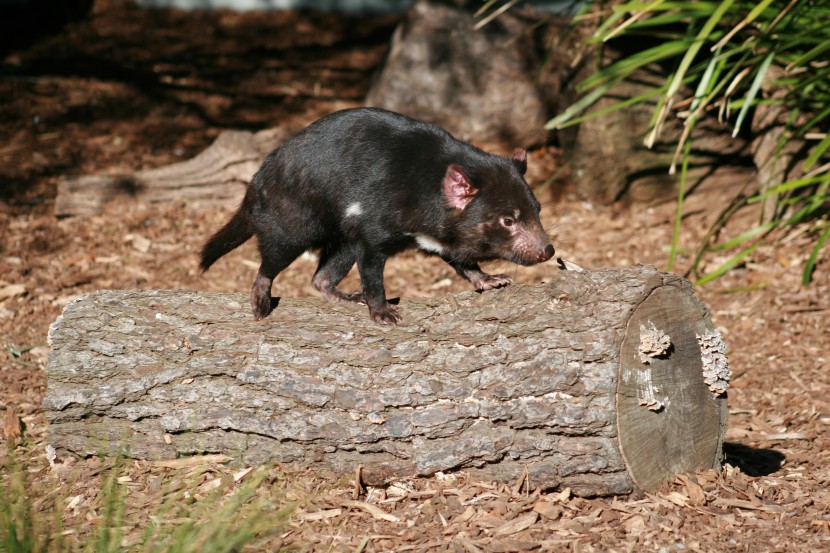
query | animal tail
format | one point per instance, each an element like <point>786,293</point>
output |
<point>235,233</point>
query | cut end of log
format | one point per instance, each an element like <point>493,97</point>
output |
<point>668,420</point>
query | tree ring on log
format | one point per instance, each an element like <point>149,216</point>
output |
<point>666,414</point>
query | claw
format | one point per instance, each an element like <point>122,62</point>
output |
<point>488,282</point>
<point>387,314</point>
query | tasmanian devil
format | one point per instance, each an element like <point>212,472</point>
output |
<point>361,185</point>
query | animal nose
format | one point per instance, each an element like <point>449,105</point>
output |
<point>547,254</point>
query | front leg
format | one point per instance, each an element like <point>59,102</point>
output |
<point>481,280</point>
<point>370,266</point>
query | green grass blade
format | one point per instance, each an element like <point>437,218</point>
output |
<point>626,66</point>
<point>809,267</point>
<point>617,14</point>
<point>483,9</point>
<point>814,120</point>
<point>678,214</point>
<point>579,106</point>
<point>817,152</point>
<point>633,19</point>
<point>751,16</point>
<point>690,55</point>
<point>705,80</point>
<point>745,236</point>
<point>810,55</point>
<point>642,98</point>
<point>753,92</point>
<point>787,187</point>
<point>726,266</point>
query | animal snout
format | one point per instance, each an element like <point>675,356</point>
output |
<point>546,254</point>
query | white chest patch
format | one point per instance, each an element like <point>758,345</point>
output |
<point>429,243</point>
<point>353,210</point>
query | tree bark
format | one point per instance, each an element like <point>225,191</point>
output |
<point>600,381</point>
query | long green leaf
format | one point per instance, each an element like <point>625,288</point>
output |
<point>787,187</point>
<point>751,16</point>
<point>813,121</point>
<point>618,13</point>
<point>807,275</point>
<point>753,92</point>
<point>810,55</point>
<point>579,106</point>
<point>703,35</point>
<point>626,66</point>
<point>642,98</point>
<point>637,14</point>
<point>705,80</point>
<point>731,263</point>
<point>744,237</point>
<point>817,152</point>
<point>678,213</point>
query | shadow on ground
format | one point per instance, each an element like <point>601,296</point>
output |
<point>753,461</point>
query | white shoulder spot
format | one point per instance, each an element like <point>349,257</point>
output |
<point>429,243</point>
<point>353,210</point>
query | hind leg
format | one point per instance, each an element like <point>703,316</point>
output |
<point>335,263</point>
<point>370,264</point>
<point>275,258</point>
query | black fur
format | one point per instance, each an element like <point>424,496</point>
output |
<point>363,184</point>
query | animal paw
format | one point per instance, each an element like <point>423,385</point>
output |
<point>261,306</point>
<point>488,282</point>
<point>386,314</point>
<point>261,297</point>
<point>333,294</point>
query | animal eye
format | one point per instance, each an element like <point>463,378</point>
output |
<point>507,221</point>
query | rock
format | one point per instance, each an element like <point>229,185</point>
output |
<point>477,84</point>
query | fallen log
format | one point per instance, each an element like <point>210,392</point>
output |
<point>603,381</point>
<point>218,175</point>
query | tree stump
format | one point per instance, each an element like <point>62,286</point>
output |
<point>604,381</point>
<point>477,83</point>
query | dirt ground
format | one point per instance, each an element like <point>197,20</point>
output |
<point>129,89</point>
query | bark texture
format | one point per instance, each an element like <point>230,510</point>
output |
<point>558,382</point>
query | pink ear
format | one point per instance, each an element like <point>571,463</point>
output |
<point>457,188</point>
<point>520,159</point>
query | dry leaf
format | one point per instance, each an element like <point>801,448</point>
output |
<point>321,515</point>
<point>678,499</point>
<point>517,525</point>
<point>468,545</point>
<point>376,512</point>
<point>635,525</point>
<point>13,426</point>
<point>468,513</point>
<point>242,474</point>
<point>742,504</point>
<point>510,546</point>
<point>141,244</point>
<point>11,291</point>
<point>548,510</point>
<point>697,496</point>
<point>195,461</point>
